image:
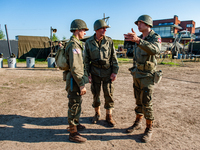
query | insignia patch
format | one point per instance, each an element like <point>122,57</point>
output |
<point>76,51</point>
<point>159,40</point>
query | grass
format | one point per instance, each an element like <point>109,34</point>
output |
<point>125,60</point>
<point>169,63</point>
<point>118,42</point>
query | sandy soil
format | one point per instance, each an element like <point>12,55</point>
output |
<point>33,111</point>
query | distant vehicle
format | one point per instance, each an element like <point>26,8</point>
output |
<point>130,47</point>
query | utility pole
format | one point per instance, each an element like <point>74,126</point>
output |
<point>8,41</point>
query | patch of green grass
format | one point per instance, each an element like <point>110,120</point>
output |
<point>169,63</point>
<point>118,42</point>
<point>20,60</point>
<point>124,60</point>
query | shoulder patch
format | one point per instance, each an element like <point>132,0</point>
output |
<point>76,51</point>
<point>159,40</point>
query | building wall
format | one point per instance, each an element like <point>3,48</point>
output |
<point>185,23</point>
<point>197,33</point>
<point>157,22</point>
<point>177,22</point>
<point>197,30</point>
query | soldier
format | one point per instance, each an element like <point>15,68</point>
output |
<point>60,45</point>
<point>76,78</point>
<point>102,67</point>
<point>147,46</point>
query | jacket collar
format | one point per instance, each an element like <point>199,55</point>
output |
<point>73,38</point>
<point>149,35</point>
<point>102,42</point>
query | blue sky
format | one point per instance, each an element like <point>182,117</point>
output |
<point>35,17</point>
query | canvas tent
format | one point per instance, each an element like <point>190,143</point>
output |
<point>33,46</point>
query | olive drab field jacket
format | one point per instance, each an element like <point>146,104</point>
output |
<point>100,60</point>
<point>74,57</point>
<point>144,55</point>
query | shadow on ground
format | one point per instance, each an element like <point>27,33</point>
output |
<point>32,130</point>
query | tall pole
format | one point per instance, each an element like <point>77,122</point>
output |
<point>8,41</point>
<point>51,41</point>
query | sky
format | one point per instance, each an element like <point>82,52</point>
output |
<point>36,17</point>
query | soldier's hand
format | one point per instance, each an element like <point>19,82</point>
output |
<point>90,79</point>
<point>132,36</point>
<point>82,90</point>
<point>113,77</point>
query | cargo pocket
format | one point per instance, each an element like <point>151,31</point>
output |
<point>147,96</point>
<point>94,53</point>
<point>136,91</point>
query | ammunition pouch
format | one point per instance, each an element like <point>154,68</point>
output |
<point>131,69</point>
<point>158,76</point>
<point>107,66</point>
<point>100,64</point>
<point>148,66</point>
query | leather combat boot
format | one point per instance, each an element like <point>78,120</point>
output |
<point>80,127</point>
<point>74,136</point>
<point>97,115</point>
<point>110,121</point>
<point>137,124</point>
<point>148,131</point>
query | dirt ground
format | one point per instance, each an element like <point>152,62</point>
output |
<point>33,111</point>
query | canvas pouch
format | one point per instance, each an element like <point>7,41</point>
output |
<point>158,76</point>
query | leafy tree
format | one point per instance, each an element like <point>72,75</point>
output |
<point>55,38</point>
<point>2,36</point>
<point>64,38</point>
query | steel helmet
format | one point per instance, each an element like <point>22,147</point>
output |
<point>98,24</point>
<point>146,19</point>
<point>78,24</point>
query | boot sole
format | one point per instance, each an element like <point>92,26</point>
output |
<point>133,130</point>
<point>77,141</point>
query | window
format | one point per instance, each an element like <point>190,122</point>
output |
<point>164,31</point>
<point>189,25</point>
<point>166,23</point>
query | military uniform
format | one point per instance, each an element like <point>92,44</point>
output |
<point>75,78</point>
<point>143,73</point>
<point>58,48</point>
<point>101,62</point>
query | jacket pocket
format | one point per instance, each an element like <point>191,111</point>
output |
<point>106,51</point>
<point>94,53</point>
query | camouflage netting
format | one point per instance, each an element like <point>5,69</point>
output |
<point>33,46</point>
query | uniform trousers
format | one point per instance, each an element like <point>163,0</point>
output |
<point>108,90</point>
<point>74,104</point>
<point>143,92</point>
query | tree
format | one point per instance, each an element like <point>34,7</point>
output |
<point>55,38</point>
<point>64,38</point>
<point>2,36</point>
